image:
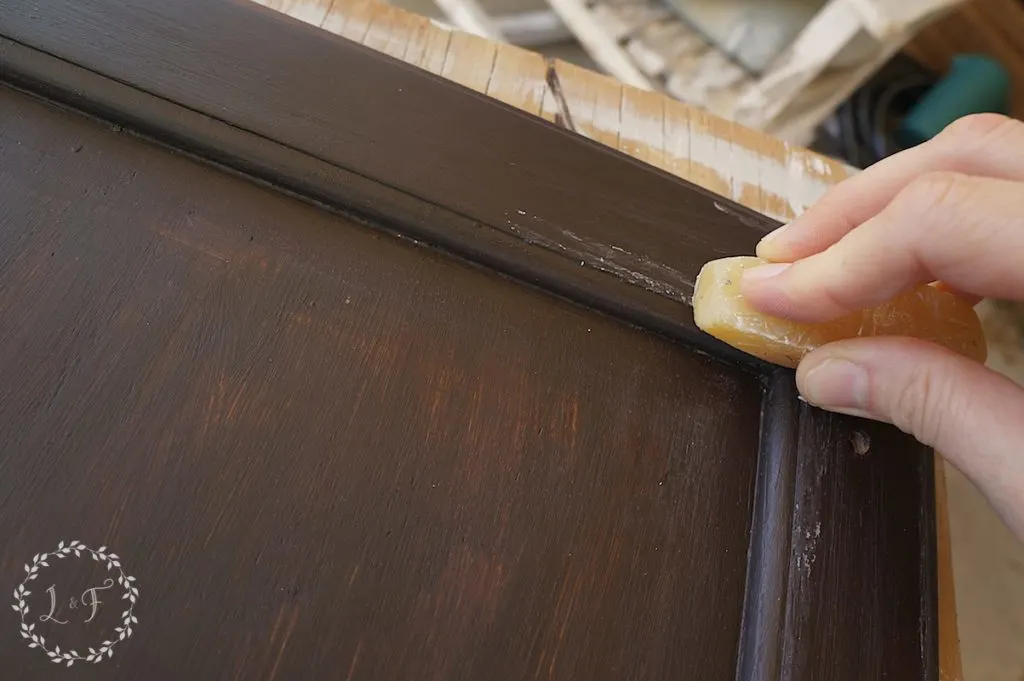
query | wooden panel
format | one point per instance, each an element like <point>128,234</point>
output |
<point>425,470</point>
<point>277,97</point>
<point>758,171</point>
<point>838,479</point>
<point>761,172</point>
<point>414,364</point>
<point>824,487</point>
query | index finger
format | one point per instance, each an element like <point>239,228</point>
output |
<point>967,232</point>
<point>986,145</point>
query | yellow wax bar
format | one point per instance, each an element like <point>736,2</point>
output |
<point>927,312</point>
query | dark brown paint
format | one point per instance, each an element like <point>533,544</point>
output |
<point>274,413</point>
<point>327,452</point>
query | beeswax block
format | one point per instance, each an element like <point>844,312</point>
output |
<point>926,312</point>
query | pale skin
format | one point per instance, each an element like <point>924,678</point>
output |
<point>950,210</point>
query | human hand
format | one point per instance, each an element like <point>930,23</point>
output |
<point>949,210</point>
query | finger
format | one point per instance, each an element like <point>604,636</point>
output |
<point>967,232</point>
<point>962,409</point>
<point>986,145</point>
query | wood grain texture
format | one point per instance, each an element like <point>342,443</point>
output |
<point>756,170</point>
<point>446,359</point>
<point>766,174</point>
<point>775,178</point>
<point>838,478</point>
<point>545,223</point>
<point>331,450</point>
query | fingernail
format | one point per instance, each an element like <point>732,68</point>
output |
<point>772,235</point>
<point>762,272</point>
<point>837,384</point>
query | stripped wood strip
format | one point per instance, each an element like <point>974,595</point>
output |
<point>676,141</point>
<point>378,28</point>
<point>507,84</point>
<point>350,18</point>
<point>642,126</point>
<point>309,11</point>
<point>738,163</point>
<point>469,61</point>
<point>706,157</point>
<point>429,50</point>
<point>386,34</point>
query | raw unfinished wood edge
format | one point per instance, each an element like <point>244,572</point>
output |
<point>950,662</point>
<point>775,178</point>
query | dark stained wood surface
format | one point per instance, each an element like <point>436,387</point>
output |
<point>322,448</point>
<point>845,499</point>
<point>523,199</point>
<point>374,417</point>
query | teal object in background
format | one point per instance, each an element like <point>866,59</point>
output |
<point>974,84</point>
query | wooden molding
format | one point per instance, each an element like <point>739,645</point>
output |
<point>841,577</point>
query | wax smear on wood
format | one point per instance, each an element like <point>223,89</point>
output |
<point>630,267</point>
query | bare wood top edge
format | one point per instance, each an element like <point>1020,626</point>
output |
<point>753,169</point>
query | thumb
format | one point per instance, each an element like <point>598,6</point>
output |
<point>971,414</point>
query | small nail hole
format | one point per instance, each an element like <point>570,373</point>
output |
<point>861,443</point>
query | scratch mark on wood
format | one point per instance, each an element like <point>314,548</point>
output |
<point>284,643</point>
<point>744,218</point>
<point>185,241</point>
<point>629,267</point>
<point>563,116</point>
<point>355,660</point>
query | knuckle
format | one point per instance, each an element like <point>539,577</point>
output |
<point>980,129</point>
<point>840,297</point>
<point>934,193</point>
<point>922,404</point>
